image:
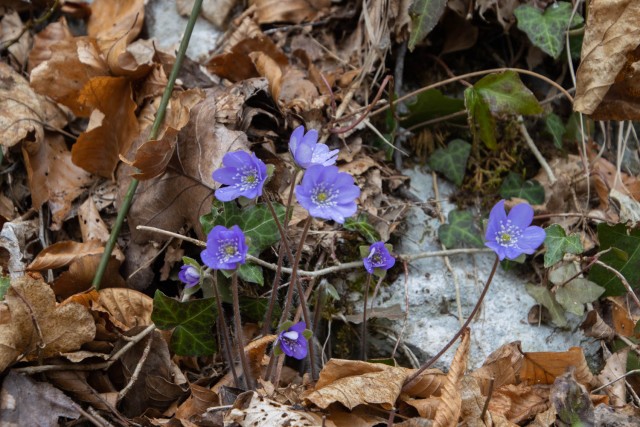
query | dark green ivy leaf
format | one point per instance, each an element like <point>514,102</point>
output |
<point>558,244</point>
<point>452,160</point>
<point>460,230</point>
<point>513,186</point>
<point>429,105</point>
<point>618,237</point>
<point>192,323</point>
<point>554,127</point>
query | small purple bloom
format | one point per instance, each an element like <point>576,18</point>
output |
<point>292,341</point>
<point>243,173</point>
<point>327,193</point>
<point>189,275</point>
<point>226,248</point>
<point>379,257</point>
<point>307,152</point>
<point>512,235</point>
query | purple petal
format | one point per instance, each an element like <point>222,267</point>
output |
<point>496,216</point>
<point>303,154</point>
<point>226,194</point>
<point>521,215</point>
<point>236,159</point>
<point>300,351</point>
<point>295,139</point>
<point>497,248</point>
<point>298,327</point>
<point>349,194</point>
<point>512,252</point>
<point>311,138</point>
<point>226,176</point>
<point>531,239</point>
<point>368,265</point>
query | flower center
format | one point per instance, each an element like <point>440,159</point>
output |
<point>247,178</point>
<point>291,335</point>
<point>228,249</point>
<point>324,195</point>
<point>508,235</point>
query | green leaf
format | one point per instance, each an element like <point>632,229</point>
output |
<point>425,14</point>
<point>5,282</point>
<point>460,230</point>
<point>452,160</point>
<point>546,29</point>
<point>192,323</point>
<point>619,237</point>
<point>545,298</point>
<point>251,273</point>
<point>555,128</point>
<point>429,105</point>
<point>513,186</point>
<point>504,93</point>
<point>255,308</point>
<point>481,122</point>
<point>360,224</point>
<point>578,292</point>
<point>558,244</point>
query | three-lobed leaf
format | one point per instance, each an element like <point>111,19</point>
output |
<point>514,186</point>
<point>558,244</point>
<point>546,29</point>
<point>452,160</point>
<point>460,230</point>
<point>192,323</point>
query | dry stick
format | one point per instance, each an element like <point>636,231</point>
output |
<point>619,275</point>
<point>409,381</point>
<point>225,336</point>
<point>136,371</point>
<point>486,402</point>
<point>248,379</point>
<point>162,108</point>
<point>538,155</point>
<point>31,24</point>
<point>363,351</point>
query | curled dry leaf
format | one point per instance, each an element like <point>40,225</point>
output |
<point>53,177</point>
<point>13,238</point>
<point>472,403</point>
<point>607,78</point>
<point>39,324</point>
<point>614,368</point>
<point>126,308</point>
<point>199,401</point>
<point>519,402</point>
<point>290,11</point>
<point>214,11</point>
<point>545,366</point>
<point>81,272</point>
<point>606,179</point>
<point>61,254</point>
<point>76,384</point>
<point>10,28</point>
<point>252,410</point>
<point>236,65</point>
<point>502,367</point>
<point>25,402</point>
<point>354,383</point>
<point>594,326</point>
<point>45,41</point>
<point>450,405</point>
<point>112,128</point>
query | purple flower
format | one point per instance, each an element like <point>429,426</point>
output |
<point>292,341</point>
<point>244,174</point>
<point>307,152</point>
<point>513,235</point>
<point>189,275</point>
<point>379,257</point>
<point>327,193</point>
<point>226,248</point>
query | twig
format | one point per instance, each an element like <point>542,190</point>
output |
<point>29,25</point>
<point>635,371</point>
<point>486,402</point>
<point>162,108</point>
<point>538,155</point>
<point>619,275</point>
<point>136,372</point>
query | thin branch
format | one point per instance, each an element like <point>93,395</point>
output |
<point>538,155</point>
<point>619,275</point>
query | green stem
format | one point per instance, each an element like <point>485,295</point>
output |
<point>413,377</point>
<point>162,108</point>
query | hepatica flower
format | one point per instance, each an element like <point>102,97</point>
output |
<point>327,193</point>
<point>307,152</point>
<point>379,257</point>
<point>243,174</point>
<point>292,341</point>
<point>513,235</point>
<point>226,248</point>
<point>189,275</point>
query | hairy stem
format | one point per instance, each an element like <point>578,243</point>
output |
<point>239,335</point>
<point>364,319</point>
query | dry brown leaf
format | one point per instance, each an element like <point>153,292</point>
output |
<point>544,367</point>
<point>502,8</point>
<point>45,41</point>
<point>112,128</point>
<point>359,417</point>
<point>60,328</point>
<point>450,405</point>
<point>267,67</point>
<point>255,352</point>
<point>10,27</point>
<point>571,401</point>
<point>427,384</point>
<point>200,399</point>
<point>615,368</point>
<point>53,177</point>
<point>22,113</point>
<point>545,419</point>
<point>13,240</point>
<point>236,65</point>
<point>426,408</point>
<point>594,326</point>
<point>214,11</point>
<point>473,403</point>
<point>61,254</point>
<point>81,273</point>
<point>519,402</point>
<point>291,11</point>
<point>623,321</point>
<point>252,410</point>
<point>354,383</point>
<point>604,178</point>
<point>607,78</point>
<point>25,402</point>
<point>75,383</point>
<point>126,308</point>
<point>72,63</point>
<point>92,227</point>
<point>501,367</point>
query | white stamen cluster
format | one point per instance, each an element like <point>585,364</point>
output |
<point>247,178</point>
<point>227,249</point>
<point>324,195</point>
<point>508,234</point>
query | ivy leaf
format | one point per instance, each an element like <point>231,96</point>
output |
<point>617,237</point>
<point>255,308</point>
<point>429,105</point>
<point>452,160</point>
<point>251,273</point>
<point>425,14</point>
<point>192,323</point>
<point>578,292</point>
<point>361,225</point>
<point>514,186</point>
<point>504,93</point>
<point>5,282</point>
<point>545,298</point>
<point>555,128</point>
<point>546,29</point>
<point>481,122</point>
<point>558,244</point>
<point>461,229</point>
